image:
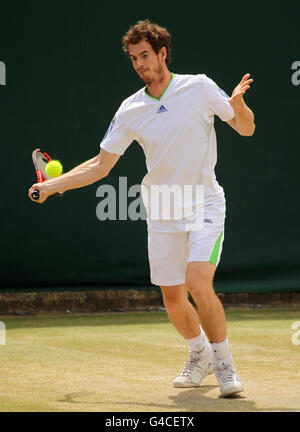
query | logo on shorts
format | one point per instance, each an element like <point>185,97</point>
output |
<point>208,221</point>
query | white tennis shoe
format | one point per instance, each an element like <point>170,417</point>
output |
<point>195,370</point>
<point>229,381</point>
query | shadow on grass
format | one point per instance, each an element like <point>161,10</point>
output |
<point>187,400</point>
<point>262,314</point>
<point>134,318</point>
<point>89,320</point>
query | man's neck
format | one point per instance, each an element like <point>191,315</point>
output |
<point>157,88</point>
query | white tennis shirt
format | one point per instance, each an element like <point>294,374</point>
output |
<point>177,135</point>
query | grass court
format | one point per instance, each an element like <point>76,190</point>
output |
<point>126,362</point>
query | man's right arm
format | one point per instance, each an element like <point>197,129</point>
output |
<point>107,159</point>
<point>84,164</point>
<point>83,175</point>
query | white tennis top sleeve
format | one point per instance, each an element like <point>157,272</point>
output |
<point>118,136</point>
<point>217,100</point>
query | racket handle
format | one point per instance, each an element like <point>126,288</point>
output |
<point>35,194</point>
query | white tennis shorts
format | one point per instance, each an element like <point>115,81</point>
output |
<point>169,253</point>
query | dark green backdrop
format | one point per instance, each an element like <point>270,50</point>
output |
<point>66,77</point>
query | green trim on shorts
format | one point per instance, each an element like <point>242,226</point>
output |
<point>215,253</point>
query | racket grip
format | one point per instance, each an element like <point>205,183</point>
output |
<point>35,194</point>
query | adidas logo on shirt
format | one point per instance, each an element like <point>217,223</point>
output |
<point>161,109</point>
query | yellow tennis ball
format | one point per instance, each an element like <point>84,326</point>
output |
<point>54,168</point>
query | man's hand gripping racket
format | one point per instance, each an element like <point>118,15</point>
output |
<point>40,160</point>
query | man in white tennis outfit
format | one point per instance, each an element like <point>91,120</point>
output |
<point>172,118</point>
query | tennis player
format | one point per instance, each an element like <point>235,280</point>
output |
<point>172,118</point>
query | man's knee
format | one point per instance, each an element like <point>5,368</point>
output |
<point>199,278</point>
<point>174,297</point>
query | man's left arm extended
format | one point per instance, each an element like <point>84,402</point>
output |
<point>243,121</point>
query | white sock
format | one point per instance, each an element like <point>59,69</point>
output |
<point>221,349</point>
<point>199,342</point>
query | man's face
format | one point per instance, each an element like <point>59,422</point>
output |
<point>147,64</point>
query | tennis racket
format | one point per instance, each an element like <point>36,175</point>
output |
<point>40,160</point>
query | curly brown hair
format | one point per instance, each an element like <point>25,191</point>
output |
<point>156,35</point>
